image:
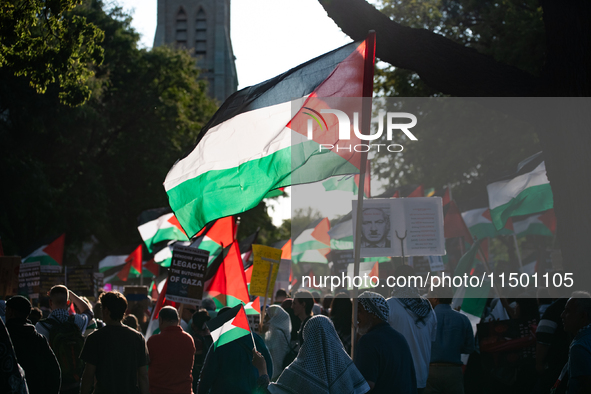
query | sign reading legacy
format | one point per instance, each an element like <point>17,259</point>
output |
<point>28,279</point>
<point>186,275</point>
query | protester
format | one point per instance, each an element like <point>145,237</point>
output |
<point>322,366</point>
<point>280,296</point>
<point>131,321</point>
<point>382,354</point>
<point>12,376</point>
<point>576,318</point>
<point>326,302</point>
<point>59,298</point>
<point>228,368</point>
<point>172,353</point>
<point>277,337</point>
<point>454,338</point>
<point>412,316</point>
<point>186,315</point>
<point>341,314</point>
<point>302,305</point>
<point>64,334</point>
<point>115,355</point>
<point>295,321</point>
<point>209,305</point>
<point>317,307</point>
<point>32,351</point>
<point>552,346</point>
<point>35,315</point>
<point>202,340</point>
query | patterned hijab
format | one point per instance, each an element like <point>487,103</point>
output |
<point>322,365</point>
<point>278,337</point>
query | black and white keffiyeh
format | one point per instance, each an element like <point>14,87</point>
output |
<point>412,301</point>
<point>322,365</point>
<point>375,304</point>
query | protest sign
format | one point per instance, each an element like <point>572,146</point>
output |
<point>265,268</point>
<point>186,274</point>
<point>401,227</point>
<point>9,270</point>
<point>48,280</point>
<point>29,279</point>
<point>80,281</point>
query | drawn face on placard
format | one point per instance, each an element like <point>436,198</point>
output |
<point>375,228</point>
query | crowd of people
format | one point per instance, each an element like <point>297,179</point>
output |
<point>405,344</point>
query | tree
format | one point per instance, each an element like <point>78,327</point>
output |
<point>454,69</point>
<point>90,170</point>
<point>46,42</point>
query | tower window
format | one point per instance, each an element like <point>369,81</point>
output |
<point>181,28</point>
<point>200,33</point>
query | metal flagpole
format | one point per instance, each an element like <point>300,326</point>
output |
<point>366,124</point>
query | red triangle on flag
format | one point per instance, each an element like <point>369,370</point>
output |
<point>321,231</point>
<point>256,304</point>
<point>152,267</point>
<point>286,251</point>
<point>454,225</point>
<point>136,259</point>
<point>375,271</point>
<point>230,279</point>
<point>248,273</point>
<point>241,321</point>
<point>55,250</point>
<point>175,222</point>
<point>418,192</point>
<point>124,273</point>
<point>446,197</point>
<point>223,231</point>
<point>549,220</point>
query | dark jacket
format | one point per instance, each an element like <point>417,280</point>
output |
<point>34,355</point>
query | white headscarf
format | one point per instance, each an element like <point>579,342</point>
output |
<point>322,365</point>
<point>277,338</point>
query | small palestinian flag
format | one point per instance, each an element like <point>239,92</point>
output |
<point>525,192</point>
<point>253,307</point>
<point>50,254</point>
<point>229,326</point>
<point>313,244</point>
<point>164,228</point>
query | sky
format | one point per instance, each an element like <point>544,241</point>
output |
<point>270,37</point>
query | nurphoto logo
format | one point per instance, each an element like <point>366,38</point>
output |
<point>344,132</point>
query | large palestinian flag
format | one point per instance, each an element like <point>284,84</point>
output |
<point>258,141</point>
<point>229,326</point>
<point>525,192</point>
<point>48,254</point>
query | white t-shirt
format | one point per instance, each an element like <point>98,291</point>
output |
<point>419,336</point>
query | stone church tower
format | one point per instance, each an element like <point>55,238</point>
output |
<point>202,26</point>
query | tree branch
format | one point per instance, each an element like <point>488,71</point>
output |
<point>441,63</point>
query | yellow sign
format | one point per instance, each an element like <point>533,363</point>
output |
<point>263,258</point>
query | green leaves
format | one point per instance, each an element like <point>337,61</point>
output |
<point>46,43</point>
